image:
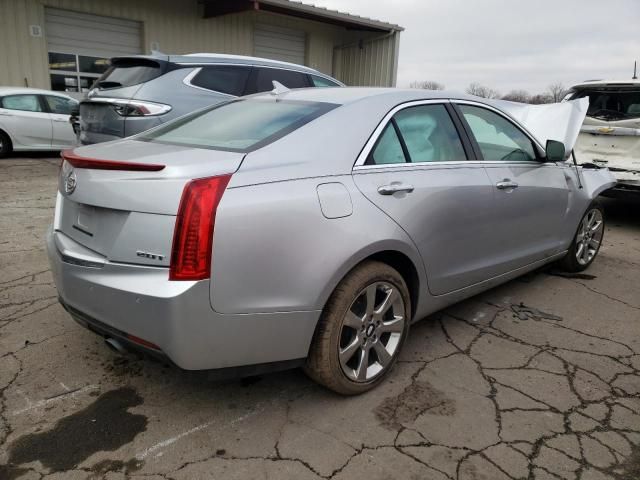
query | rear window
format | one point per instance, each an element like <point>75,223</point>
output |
<point>611,103</point>
<point>240,125</point>
<point>225,79</point>
<point>127,72</point>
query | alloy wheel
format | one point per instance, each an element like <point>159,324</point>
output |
<point>371,331</point>
<point>589,236</point>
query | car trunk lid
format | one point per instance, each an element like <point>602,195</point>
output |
<point>127,212</point>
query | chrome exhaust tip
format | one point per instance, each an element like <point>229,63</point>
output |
<point>115,345</point>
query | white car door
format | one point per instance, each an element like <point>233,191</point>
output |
<point>24,118</point>
<point>60,110</point>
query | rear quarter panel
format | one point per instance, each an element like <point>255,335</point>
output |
<point>275,251</point>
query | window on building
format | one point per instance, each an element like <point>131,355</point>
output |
<point>75,73</point>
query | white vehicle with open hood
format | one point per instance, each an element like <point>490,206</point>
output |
<point>610,134</point>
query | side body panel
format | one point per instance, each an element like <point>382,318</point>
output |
<point>449,215</point>
<point>527,220</point>
<point>274,250</point>
<point>27,129</point>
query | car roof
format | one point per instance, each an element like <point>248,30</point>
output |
<point>607,83</point>
<point>346,95</point>
<point>35,91</point>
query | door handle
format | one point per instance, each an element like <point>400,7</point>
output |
<point>506,184</point>
<point>394,188</point>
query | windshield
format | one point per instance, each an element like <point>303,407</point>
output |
<point>611,103</point>
<point>239,125</point>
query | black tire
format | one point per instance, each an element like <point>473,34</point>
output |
<point>347,305</point>
<point>5,145</point>
<point>571,263</point>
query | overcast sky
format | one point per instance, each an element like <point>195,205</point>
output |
<point>508,44</point>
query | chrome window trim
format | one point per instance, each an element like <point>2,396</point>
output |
<point>486,163</point>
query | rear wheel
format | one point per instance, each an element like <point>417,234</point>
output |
<point>587,241</point>
<point>361,331</point>
<point>5,145</point>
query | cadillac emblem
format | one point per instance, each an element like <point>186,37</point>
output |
<point>70,182</point>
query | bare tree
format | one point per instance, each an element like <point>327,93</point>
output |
<point>427,85</point>
<point>556,91</point>
<point>482,91</point>
<point>540,98</point>
<point>521,96</point>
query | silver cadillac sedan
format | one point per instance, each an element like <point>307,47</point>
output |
<point>311,227</point>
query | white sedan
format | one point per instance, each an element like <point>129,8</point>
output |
<point>32,119</point>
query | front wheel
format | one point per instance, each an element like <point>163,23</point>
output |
<point>587,241</point>
<point>361,331</point>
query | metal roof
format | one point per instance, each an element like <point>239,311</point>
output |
<point>304,10</point>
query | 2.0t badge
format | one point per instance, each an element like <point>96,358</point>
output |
<point>70,182</point>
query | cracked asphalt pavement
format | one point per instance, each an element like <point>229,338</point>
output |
<point>536,379</point>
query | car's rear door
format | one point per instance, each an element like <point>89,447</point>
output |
<point>25,118</point>
<point>415,169</point>
<point>530,196</point>
<point>60,111</point>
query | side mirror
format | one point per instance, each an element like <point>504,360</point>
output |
<point>555,151</point>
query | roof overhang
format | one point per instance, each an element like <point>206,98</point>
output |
<point>216,8</point>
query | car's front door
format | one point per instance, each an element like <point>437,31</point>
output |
<point>24,117</point>
<point>60,111</point>
<point>415,169</point>
<point>530,196</point>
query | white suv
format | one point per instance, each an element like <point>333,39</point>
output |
<point>610,135</point>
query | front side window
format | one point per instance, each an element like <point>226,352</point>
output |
<point>60,105</point>
<point>231,80</point>
<point>288,78</point>
<point>322,82</point>
<point>497,137</point>
<point>25,103</point>
<point>240,125</point>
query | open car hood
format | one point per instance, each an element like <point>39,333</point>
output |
<point>554,121</point>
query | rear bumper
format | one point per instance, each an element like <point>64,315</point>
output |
<point>135,300</point>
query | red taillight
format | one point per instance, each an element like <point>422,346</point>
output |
<point>143,342</point>
<point>193,234</point>
<point>84,162</point>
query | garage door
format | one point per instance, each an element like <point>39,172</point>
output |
<point>279,43</point>
<point>80,45</point>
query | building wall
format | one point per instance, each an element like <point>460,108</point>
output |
<point>178,27</point>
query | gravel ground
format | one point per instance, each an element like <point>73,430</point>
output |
<point>539,378</point>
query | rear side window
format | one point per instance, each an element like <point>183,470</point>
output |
<point>265,77</point>
<point>240,125</point>
<point>25,103</point>
<point>426,134</point>
<point>129,71</point>
<point>429,134</point>
<point>60,105</point>
<point>388,149</point>
<point>497,137</point>
<point>231,80</point>
<point>322,82</point>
